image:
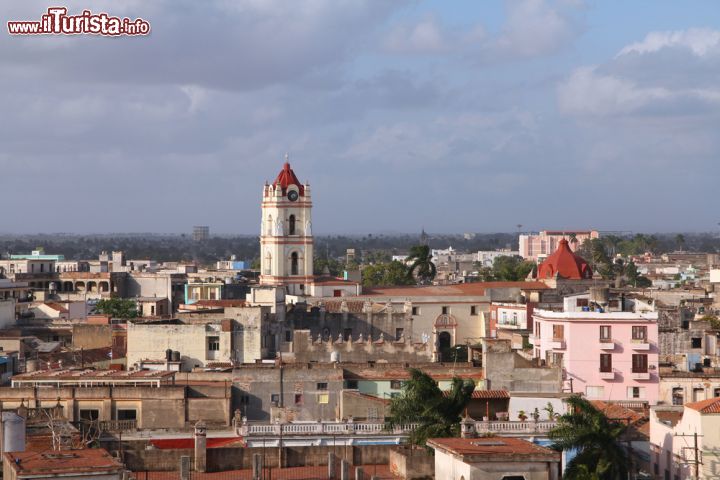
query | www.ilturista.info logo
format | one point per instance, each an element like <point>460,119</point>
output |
<point>57,22</point>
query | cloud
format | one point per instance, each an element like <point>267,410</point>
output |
<point>532,28</point>
<point>700,41</point>
<point>535,27</point>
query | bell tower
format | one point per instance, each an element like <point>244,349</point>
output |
<point>286,241</point>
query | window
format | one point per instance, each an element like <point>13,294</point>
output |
<point>416,310</point>
<point>294,264</point>
<point>399,334</point>
<point>322,386</point>
<point>275,398</point>
<point>557,359</point>
<point>347,334</point>
<point>324,398</point>
<point>582,302</point>
<point>473,310</point>
<point>716,392</point>
<point>127,414</point>
<point>595,392</point>
<point>558,332</point>
<point>635,393</point>
<point>396,384</point>
<point>288,335</point>
<point>351,384</point>
<point>639,363</point>
<point>337,293</point>
<point>91,415</point>
<point>213,344</point>
<point>639,333</point>
<point>606,362</point>
<point>446,310</point>
<point>298,399</point>
<point>515,317</point>
<point>696,342</point>
<point>537,329</point>
<point>605,332</point>
<point>292,225</point>
<point>678,396</point>
<point>372,413</point>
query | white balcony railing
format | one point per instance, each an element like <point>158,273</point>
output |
<point>640,375</point>
<point>607,375</point>
<point>515,427</point>
<point>639,344</point>
<point>321,428</point>
<point>607,344</point>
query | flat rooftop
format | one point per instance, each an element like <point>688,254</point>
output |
<point>89,377</point>
<point>493,448</point>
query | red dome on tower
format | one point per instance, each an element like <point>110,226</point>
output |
<point>563,263</point>
<point>287,177</point>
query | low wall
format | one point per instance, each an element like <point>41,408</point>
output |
<point>138,458</point>
<point>409,463</point>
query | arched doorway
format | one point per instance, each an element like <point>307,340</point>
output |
<point>444,341</point>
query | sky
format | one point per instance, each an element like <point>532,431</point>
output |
<point>452,116</point>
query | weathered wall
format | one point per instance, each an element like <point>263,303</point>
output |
<point>137,458</point>
<point>411,463</point>
<point>306,348</point>
<point>92,336</point>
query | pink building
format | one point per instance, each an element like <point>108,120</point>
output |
<point>611,356</point>
<point>539,246</point>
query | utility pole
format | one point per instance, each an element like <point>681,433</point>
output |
<point>697,462</point>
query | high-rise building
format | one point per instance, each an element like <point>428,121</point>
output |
<point>201,233</point>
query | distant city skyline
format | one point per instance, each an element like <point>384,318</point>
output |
<point>462,117</point>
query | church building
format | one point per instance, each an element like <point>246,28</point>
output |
<point>286,241</point>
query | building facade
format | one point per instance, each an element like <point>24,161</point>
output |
<point>538,246</point>
<point>611,356</point>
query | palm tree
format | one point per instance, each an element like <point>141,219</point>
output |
<point>422,266</point>
<point>680,241</point>
<point>596,440</point>
<point>437,414</point>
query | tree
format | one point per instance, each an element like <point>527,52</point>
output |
<point>680,241</point>
<point>334,267</point>
<point>596,439</point>
<point>422,266</point>
<point>117,308</point>
<point>386,275</point>
<point>511,268</point>
<point>421,401</point>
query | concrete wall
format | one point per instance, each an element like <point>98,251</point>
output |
<point>297,388</point>
<point>137,458</point>
<point>412,464</point>
<point>306,348</point>
<point>91,336</point>
<point>506,370</point>
<point>7,313</point>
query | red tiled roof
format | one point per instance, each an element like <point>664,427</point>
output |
<point>486,394</point>
<point>57,307</point>
<point>63,462</point>
<point>287,177</point>
<point>460,289</point>
<point>330,280</point>
<point>491,447</point>
<point>711,405</point>
<point>291,473</point>
<point>564,263</point>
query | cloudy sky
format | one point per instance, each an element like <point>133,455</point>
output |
<point>453,115</point>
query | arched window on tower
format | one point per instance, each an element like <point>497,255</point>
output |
<point>294,263</point>
<point>269,226</point>
<point>292,225</point>
<point>268,264</point>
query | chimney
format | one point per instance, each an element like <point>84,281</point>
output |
<point>200,446</point>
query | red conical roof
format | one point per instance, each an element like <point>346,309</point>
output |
<point>564,263</point>
<point>287,177</point>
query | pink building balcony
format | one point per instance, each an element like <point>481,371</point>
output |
<point>607,344</point>
<point>640,344</point>
<point>557,344</point>
<point>607,375</point>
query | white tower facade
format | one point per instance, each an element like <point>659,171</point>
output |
<point>286,241</point>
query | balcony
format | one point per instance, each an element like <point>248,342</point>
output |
<point>557,344</point>
<point>607,344</point>
<point>640,344</point>
<point>607,375</point>
<point>640,375</point>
